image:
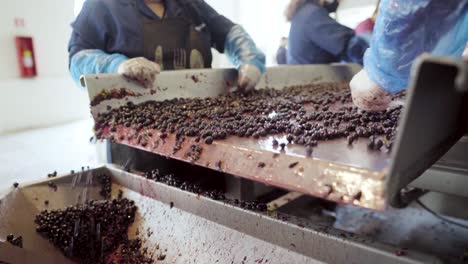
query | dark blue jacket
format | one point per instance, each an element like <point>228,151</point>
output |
<point>115,26</point>
<point>316,38</point>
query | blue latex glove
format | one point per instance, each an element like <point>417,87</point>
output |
<point>407,28</point>
<point>244,54</point>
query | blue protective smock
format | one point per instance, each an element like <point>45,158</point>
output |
<point>407,28</point>
<point>316,38</point>
<point>108,32</point>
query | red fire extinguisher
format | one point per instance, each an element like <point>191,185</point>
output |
<point>25,54</point>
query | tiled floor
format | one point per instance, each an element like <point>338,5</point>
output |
<point>31,155</point>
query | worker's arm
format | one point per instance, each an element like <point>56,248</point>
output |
<point>94,61</point>
<point>245,55</point>
<point>404,30</point>
<point>236,43</point>
<point>335,38</point>
<point>89,61</point>
<point>88,41</point>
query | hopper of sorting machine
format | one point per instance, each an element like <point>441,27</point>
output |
<point>178,226</point>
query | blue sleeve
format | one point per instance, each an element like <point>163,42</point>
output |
<point>454,42</point>
<point>404,30</point>
<point>241,49</point>
<point>93,62</point>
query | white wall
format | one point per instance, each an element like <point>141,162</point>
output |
<point>263,20</point>
<point>352,12</point>
<point>51,97</point>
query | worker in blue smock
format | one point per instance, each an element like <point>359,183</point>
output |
<point>282,52</point>
<point>139,38</point>
<point>404,30</point>
<point>315,37</point>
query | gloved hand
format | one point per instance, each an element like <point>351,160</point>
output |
<point>141,70</point>
<point>245,56</point>
<point>367,95</point>
<point>249,76</point>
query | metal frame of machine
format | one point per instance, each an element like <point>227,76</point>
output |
<point>193,228</point>
<point>435,118</point>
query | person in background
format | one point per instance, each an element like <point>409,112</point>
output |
<point>404,30</point>
<point>139,38</point>
<point>317,38</point>
<point>281,54</point>
<point>366,27</point>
